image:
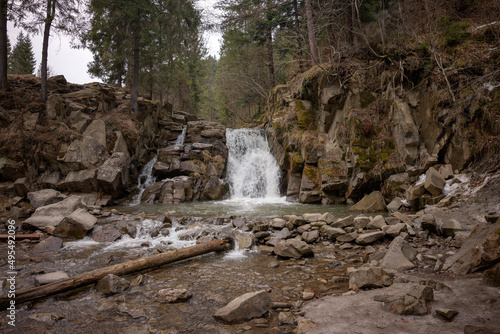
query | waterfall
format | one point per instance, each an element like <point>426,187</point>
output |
<point>180,140</point>
<point>146,179</point>
<point>252,171</point>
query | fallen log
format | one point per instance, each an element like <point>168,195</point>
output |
<point>4,237</point>
<point>117,269</point>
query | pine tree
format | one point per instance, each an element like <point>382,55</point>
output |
<point>22,60</point>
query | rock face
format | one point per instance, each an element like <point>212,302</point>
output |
<point>246,307</point>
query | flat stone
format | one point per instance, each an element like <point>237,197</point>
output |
<point>451,227</point>
<point>395,230</point>
<point>245,307</point>
<point>311,217</point>
<point>44,197</point>
<point>173,295</point>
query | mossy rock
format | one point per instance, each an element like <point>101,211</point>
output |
<point>306,117</point>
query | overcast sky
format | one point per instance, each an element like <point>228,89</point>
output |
<point>72,63</point>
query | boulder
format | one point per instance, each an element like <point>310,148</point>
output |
<point>50,277</point>
<point>84,153</point>
<point>80,181</point>
<point>311,217</point>
<point>278,223</point>
<point>173,295</point>
<point>491,277</point>
<point>292,248</point>
<point>434,182</point>
<point>113,174</point>
<point>369,238</point>
<point>76,225</point>
<point>372,202</point>
<point>215,189</point>
<point>97,130</point>
<point>376,223</point>
<point>244,241</point>
<point>343,222</point>
<point>395,230</point>
<point>283,234</point>
<point>106,233</point>
<point>395,204</point>
<point>331,232</point>
<point>44,197</point>
<point>368,278</point>
<point>327,217</point>
<point>310,237</point>
<point>450,228</point>
<point>53,214</point>
<point>246,307</point>
<point>414,300</point>
<point>112,284</point>
<point>51,244</point>
<point>479,251</point>
<point>398,255</point>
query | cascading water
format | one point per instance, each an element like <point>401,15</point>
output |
<point>252,171</point>
<point>146,179</point>
<point>180,140</point>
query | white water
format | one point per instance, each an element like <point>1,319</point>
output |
<point>253,173</point>
<point>180,140</point>
<point>146,179</point>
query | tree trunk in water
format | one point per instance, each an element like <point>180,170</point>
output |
<point>311,33</point>
<point>134,99</point>
<point>4,83</point>
<point>51,10</point>
<point>117,269</point>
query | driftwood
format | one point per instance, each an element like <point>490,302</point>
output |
<point>117,269</point>
<point>21,236</point>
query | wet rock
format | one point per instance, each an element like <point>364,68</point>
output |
<point>173,295</point>
<point>129,228</point>
<point>372,202</point>
<point>292,248</point>
<point>111,284</point>
<point>369,238</point>
<point>331,232</point>
<point>491,277</point>
<point>434,182</point>
<point>245,307</point>
<point>310,237</point>
<point>76,225</point>
<point>245,241</point>
<point>106,233</point>
<point>45,197</point>
<point>368,278</point>
<point>50,277</point>
<point>53,214</point>
<point>446,313</point>
<point>51,244</point>
<point>47,318</point>
<point>376,223</point>
<point>398,255</point>
<point>450,228</point>
<point>413,300</point>
<point>479,251</point>
<point>239,222</point>
<point>113,174</point>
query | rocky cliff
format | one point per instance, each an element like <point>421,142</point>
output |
<point>344,129</point>
<point>86,140</point>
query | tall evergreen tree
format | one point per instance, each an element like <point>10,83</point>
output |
<point>4,84</point>
<point>22,60</point>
